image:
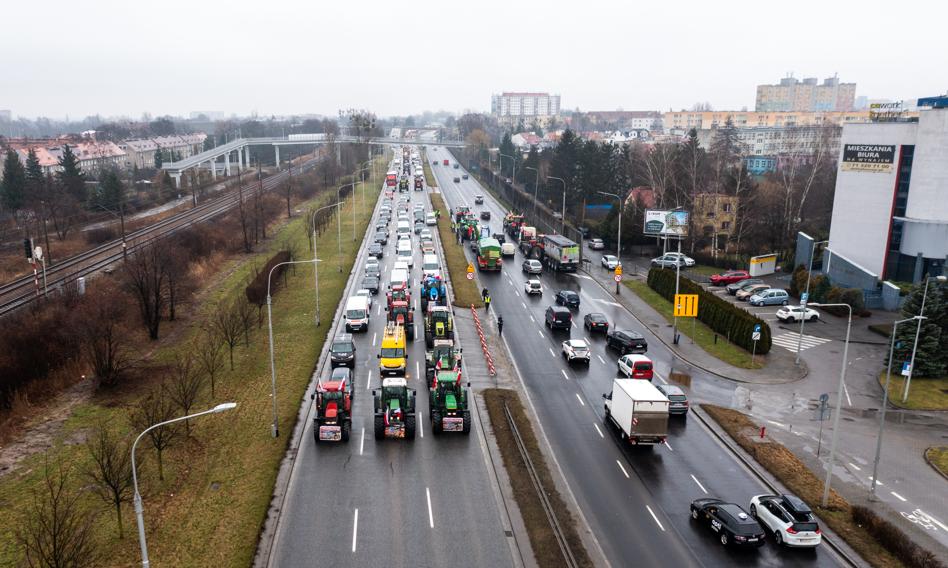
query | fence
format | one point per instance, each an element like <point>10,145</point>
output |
<point>484,348</point>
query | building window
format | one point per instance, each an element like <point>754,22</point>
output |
<point>725,225</point>
<point>726,207</point>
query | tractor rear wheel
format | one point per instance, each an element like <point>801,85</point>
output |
<point>436,424</point>
<point>346,428</point>
<point>379,428</point>
<point>410,427</point>
<point>316,431</point>
<point>467,421</point>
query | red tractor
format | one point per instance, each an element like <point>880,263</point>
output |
<point>400,312</point>
<point>333,420</point>
<point>397,293</point>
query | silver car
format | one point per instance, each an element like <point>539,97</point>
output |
<point>532,266</point>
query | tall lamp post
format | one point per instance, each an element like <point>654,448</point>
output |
<point>339,218</point>
<point>563,181</point>
<point>338,205</point>
<point>512,159</point>
<point>536,189</point>
<point>839,398</point>
<point>139,518</point>
<point>918,330</point>
<point>806,294</point>
<point>619,232</point>
<point>885,403</point>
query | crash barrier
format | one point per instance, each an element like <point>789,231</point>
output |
<point>484,348</point>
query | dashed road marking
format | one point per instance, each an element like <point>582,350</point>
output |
<point>598,430</point>
<point>899,497</point>
<point>657,522</point>
<point>362,441</point>
<point>551,352</point>
<point>430,514</point>
<point>601,360</point>
<point>565,376</point>
<point>355,529</point>
<point>699,485</point>
<point>624,472</point>
<point>580,399</point>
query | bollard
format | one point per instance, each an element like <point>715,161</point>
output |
<point>763,431</point>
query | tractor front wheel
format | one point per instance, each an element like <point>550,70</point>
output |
<point>410,427</point>
<point>379,428</point>
<point>436,424</point>
<point>467,421</point>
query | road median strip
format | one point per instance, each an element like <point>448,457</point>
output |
<point>466,293</point>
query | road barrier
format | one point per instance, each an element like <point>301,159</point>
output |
<point>484,347</point>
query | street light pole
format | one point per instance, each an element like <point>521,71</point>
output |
<point>511,158</point>
<point>918,330</point>
<point>139,510</point>
<point>885,404</point>
<point>809,276</point>
<point>339,221</point>
<point>315,260</point>
<point>619,235</point>
<point>563,224</point>
<point>839,397</point>
<point>536,189</point>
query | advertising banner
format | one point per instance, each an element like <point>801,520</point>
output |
<point>879,158</point>
<point>666,223</point>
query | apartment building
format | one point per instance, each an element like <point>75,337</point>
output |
<point>514,106</point>
<point>792,94</point>
<point>700,120</point>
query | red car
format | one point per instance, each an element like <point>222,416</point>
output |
<point>729,277</point>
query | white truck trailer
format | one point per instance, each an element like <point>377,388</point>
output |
<point>639,410</point>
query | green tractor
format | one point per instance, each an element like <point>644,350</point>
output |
<point>443,352</point>
<point>447,403</point>
<point>394,410</point>
<point>438,325</point>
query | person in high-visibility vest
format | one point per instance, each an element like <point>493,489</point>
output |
<point>487,303</point>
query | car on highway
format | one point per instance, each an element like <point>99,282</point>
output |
<point>457,179</point>
<point>568,298</point>
<point>729,521</point>
<point>746,292</point>
<point>431,219</point>
<point>609,261</point>
<point>532,266</point>
<point>478,199</point>
<point>532,286</point>
<point>576,350</point>
<point>770,297</point>
<point>427,247</point>
<point>626,341</point>
<point>789,519</point>
<point>558,317</point>
<point>671,260</point>
<point>371,283</point>
<point>733,288</point>
<point>367,294</point>
<point>796,313</point>
<point>401,265</point>
<point>419,226</point>
<point>677,399</point>
<point>508,249</point>
<point>464,176</point>
<point>596,322</point>
<point>636,367</point>
<point>376,250</point>
<point>457,165</point>
<point>373,270</point>
<point>424,234</point>
<point>730,277</point>
<point>485,215</point>
<point>342,352</point>
<point>381,237</point>
<point>596,244</point>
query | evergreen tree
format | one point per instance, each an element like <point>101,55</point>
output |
<point>13,187</point>
<point>111,193</point>
<point>158,160</point>
<point>71,176</point>
<point>510,151</point>
<point>930,358</point>
<point>34,174</point>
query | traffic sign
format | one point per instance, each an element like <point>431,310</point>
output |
<point>906,368</point>
<point>470,276</point>
<point>757,328</point>
<point>755,336</point>
<point>686,305</point>
<point>617,278</point>
<point>618,270</point>
<point>470,270</point>
<point>803,298</point>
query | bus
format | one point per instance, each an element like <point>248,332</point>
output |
<point>391,178</point>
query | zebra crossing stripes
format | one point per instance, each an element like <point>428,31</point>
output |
<point>789,341</point>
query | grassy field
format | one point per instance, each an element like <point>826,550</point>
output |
<point>429,175</point>
<point>793,473</point>
<point>703,335</point>
<point>465,291</point>
<point>924,393</point>
<point>218,484</point>
<point>938,457</point>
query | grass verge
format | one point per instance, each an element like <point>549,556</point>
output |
<point>937,457</point>
<point>429,175</point>
<point>465,291</point>
<point>924,393</point>
<point>702,335</point>
<point>798,478</point>
<point>218,483</point>
<point>542,539</point>
<point>882,329</point>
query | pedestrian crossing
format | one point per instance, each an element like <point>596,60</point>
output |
<point>789,341</point>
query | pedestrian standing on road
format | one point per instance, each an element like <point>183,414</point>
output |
<point>500,325</point>
<point>487,303</point>
<point>484,294</point>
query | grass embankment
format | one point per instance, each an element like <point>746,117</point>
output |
<point>937,456</point>
<point>703,335</point>
<point>924,393</point>
<point>465,291</point>
<point>798,478</point>
<point>218,484</point>
<point>544,543</point>
<point>429,175</point>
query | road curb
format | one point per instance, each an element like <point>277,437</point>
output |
<point>933,466</point>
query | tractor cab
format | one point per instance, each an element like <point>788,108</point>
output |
<point>447,399</point>
<point>333,418</point>
<point>438,325</point>
<point>394,410</point>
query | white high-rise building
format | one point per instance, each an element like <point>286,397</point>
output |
<point>526,106</point>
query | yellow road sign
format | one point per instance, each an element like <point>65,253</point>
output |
<point>470,268</point>
<point>618,270</point>
<point>686,305</point>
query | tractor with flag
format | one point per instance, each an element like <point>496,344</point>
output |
<point>443,356</point>
<point>394,409</point>
<point>438,325</point>
<point>333,420</point>
<point>447,402</point>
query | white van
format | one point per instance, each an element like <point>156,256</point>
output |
<point>400,276</point>
<point>357,314</point>
<point>403,227</point>
<point>430,265</point>
<point>405,253</point>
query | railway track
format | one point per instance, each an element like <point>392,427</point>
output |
<point>22,291</point>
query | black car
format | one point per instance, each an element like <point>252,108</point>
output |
<point>625,341</point>
<point>371,283</point>
<point>568,298</point>
<point>342,352</point>
<point>343,374</point>
<point>731,523</point>
<point>457,180</point>
<point>485,215</point>
<point>419,226</point>
<point>464,176</point>
<point>501,238</point>
<point>381,237</point>
<point>733,288</point>
<point>478,199</point>
<point>558,317</point>
<point>596,322</point>
<point>375,249</point>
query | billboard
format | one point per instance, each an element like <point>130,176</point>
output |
<point>668,223</point>
<point>878,158</point>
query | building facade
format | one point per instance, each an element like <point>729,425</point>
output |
<point>890,212</point>
<point>93,156</point>
<point>630,119</point>
<point>792,94</point>
<point>768,148</point>
<point>525,106</point>
<point>714,214</point>
<point>704,120</point>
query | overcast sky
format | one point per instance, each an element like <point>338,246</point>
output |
<point>403,57</point>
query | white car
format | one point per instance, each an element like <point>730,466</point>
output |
<point>367,294</point>
<point>688,260</point>
<point>424,234</point>
<point>532,266</point>
<point>596,244</point>
<point>576,350</point>
<point>796,313</point>
<point>532,286</point>
<point>610,261</point>
<point>430,219</point>
<point>789,518</point>
<point>403,265</point>
<point>508,249</point>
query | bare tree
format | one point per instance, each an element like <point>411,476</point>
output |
<point>176,264</point>
<point>228,325</point>
<point>210,356</point>
<point>55,531</point>
<point>151,410</point>
<point>184,386</point>
<point>146,274</point>
<point>99,325</point>
<point>111,469</point>
<point>245,314</point>
<point>242,212</point>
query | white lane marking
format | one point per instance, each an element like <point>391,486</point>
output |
<point>552,352</point>
<point>699,484</point>
<point>533,320</point>
<point>607,302</point>
<point>934,520</point>
<point>598,430</point>
<point>580,276</point>
<point>667,445</point>
<point>355,529</point>
<point>362,441</point>
<point>624,472</point>
<point>580,399</point>
<point>565,376</point>
<point>430,515</point>
<point>524,304</point>
<point>877,481</point>
<point>510,282</point>
<point>368,381</point>
<point>849,401</point>
<point>601,360</point>
<point>777,424</point>
<point>541,333</point>
<point>417,370</point>
<point>421,423</point>
<point>517,292</point>
<point>375,337</point>
<point>899,497</point>
<point>656,518</point>
<point>854,466</point>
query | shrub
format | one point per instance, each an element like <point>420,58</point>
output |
<point>797,281</point>
<point>894,540</point>
<point>101,235</point>
<point>720,315</point>
<point>257,289</point>
<point>851,296</point>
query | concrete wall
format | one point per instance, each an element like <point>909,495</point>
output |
<point>891,300</point>
<point>927,196</point>
<point>846,273</point>
<point>804,249</point>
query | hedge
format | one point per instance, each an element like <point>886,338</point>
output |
<point>734,322</point>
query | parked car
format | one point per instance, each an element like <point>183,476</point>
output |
<point>609,261</point>
<point>733,288</point>
<point>668,261</point>
<point>626,341</point>
<point>342,351</point>
<point>788,518</point>
<point>558,317</point>
<point>731,523</point>
<point>596,322</point>
<point>770,297</point>
<point>532,286</point>
<point>731,277</point>
<point>636,367</point>
<point>532,266</point>
<point>376,250</point>
<point>576,350</point>
<point>796,313</point>
<point>677,399</point>
<point>568,298</point>
<point>746,292</point>
<point>596,244</point>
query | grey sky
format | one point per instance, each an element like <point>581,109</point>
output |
<point>400,57</point>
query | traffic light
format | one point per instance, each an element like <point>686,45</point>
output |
<point>28,249</point>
